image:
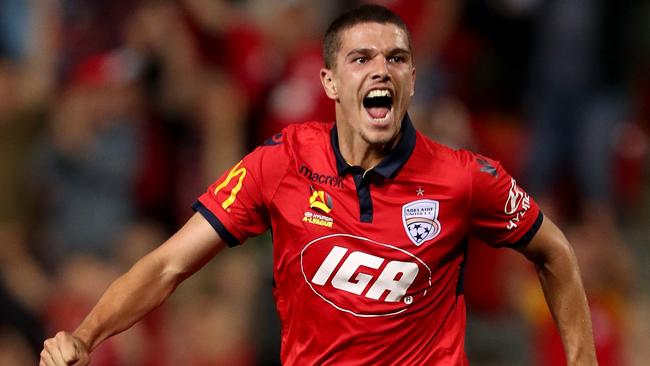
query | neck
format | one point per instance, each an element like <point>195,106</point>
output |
<point>358,152</point>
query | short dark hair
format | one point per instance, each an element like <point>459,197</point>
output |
<point>369,13</point>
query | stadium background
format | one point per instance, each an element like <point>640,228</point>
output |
<point>115,115</point>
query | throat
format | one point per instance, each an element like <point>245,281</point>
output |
<point>363,153</point>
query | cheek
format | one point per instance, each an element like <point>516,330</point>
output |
<point>346,92</point>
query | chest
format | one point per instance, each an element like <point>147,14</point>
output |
<point>411,238</point>
<point>421,215</point>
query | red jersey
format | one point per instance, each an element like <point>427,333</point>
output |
<point>368,264</point>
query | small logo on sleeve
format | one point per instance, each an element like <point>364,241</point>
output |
<point>273,140</point>
<point>517,204</point>
<point>235,173</point>
<point>420,219</point>
<point>486,167</point>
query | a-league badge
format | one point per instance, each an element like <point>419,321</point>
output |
<point>420,220</point>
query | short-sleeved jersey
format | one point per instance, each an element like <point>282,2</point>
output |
<point>368,264</point>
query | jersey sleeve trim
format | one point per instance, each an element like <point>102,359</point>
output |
<point>230,239</point>
<point>530,234</point>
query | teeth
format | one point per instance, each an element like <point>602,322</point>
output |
<point>379,93</point>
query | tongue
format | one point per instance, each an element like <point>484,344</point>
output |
<point>378,112</point>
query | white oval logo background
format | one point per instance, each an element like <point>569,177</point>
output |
<point>356,304</point>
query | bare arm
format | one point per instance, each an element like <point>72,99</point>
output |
<point>144,287</point>
<point>559,276</point>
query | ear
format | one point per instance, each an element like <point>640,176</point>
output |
<point>412,81</point>
<point>327,79</point>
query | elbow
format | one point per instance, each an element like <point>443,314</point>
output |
<point>559,261</point>
<point>173,277</point>
<point>156,273</point>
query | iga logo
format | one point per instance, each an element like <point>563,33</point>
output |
<point>340,270</point>
<point>420,219</point>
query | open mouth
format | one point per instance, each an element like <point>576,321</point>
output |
<point>378,103</point>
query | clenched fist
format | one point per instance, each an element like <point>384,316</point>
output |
<point>63,350</point>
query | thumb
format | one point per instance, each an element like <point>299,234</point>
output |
<point>70,347</point>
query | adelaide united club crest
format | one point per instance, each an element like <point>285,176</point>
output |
<point>420,219</point>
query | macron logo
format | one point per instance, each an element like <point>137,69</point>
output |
<point>336,182</point>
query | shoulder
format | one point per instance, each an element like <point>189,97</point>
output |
<point>294,140</point>
<point>307,132</point>
<point>299,138</point>
<point>456,164</point>
<point>439,153</point>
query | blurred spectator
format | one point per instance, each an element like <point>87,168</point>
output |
<point>23,292</point>
<point>14,26</point>
<point>27,82</point>
<point>90,157</point>
<point>196,105</point>
<point>577,98</point>
<point>580,110</point>
<point>295,93</point>
<point>89,27</point>
<point>19,127</point>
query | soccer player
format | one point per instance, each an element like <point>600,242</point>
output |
<point>370,222</point>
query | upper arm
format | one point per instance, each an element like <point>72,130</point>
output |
<point>501,213</point>
<point>191,247</point>
<point>547,244</point>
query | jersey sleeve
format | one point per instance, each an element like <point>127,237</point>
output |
<point>236,203</point>
<point>501,212</point>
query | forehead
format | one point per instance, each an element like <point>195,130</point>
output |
<point>373,36</point>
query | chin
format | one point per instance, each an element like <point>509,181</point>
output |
<point>379,138</point>
<point>380,132</point>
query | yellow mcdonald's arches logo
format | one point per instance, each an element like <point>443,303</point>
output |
<point>320,201</point>
<point>234,172</point>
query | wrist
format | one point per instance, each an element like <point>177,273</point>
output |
<point>587,358</point>
<point>84,338</point>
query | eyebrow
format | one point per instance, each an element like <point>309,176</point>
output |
<point>365,51</point>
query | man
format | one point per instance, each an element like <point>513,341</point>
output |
<point>369,222</point>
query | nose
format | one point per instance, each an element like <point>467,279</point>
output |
<point>380,69</point>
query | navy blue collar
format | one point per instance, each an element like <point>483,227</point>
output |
<point>389,166</point>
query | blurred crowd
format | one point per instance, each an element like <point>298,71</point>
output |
<point>115,115</point>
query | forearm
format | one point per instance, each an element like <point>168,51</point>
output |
<point>144,287</point>
<point>563,289</point>
<point>149,282</point>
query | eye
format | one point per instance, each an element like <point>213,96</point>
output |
<point>397,59</point>
<point>360,60</point>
